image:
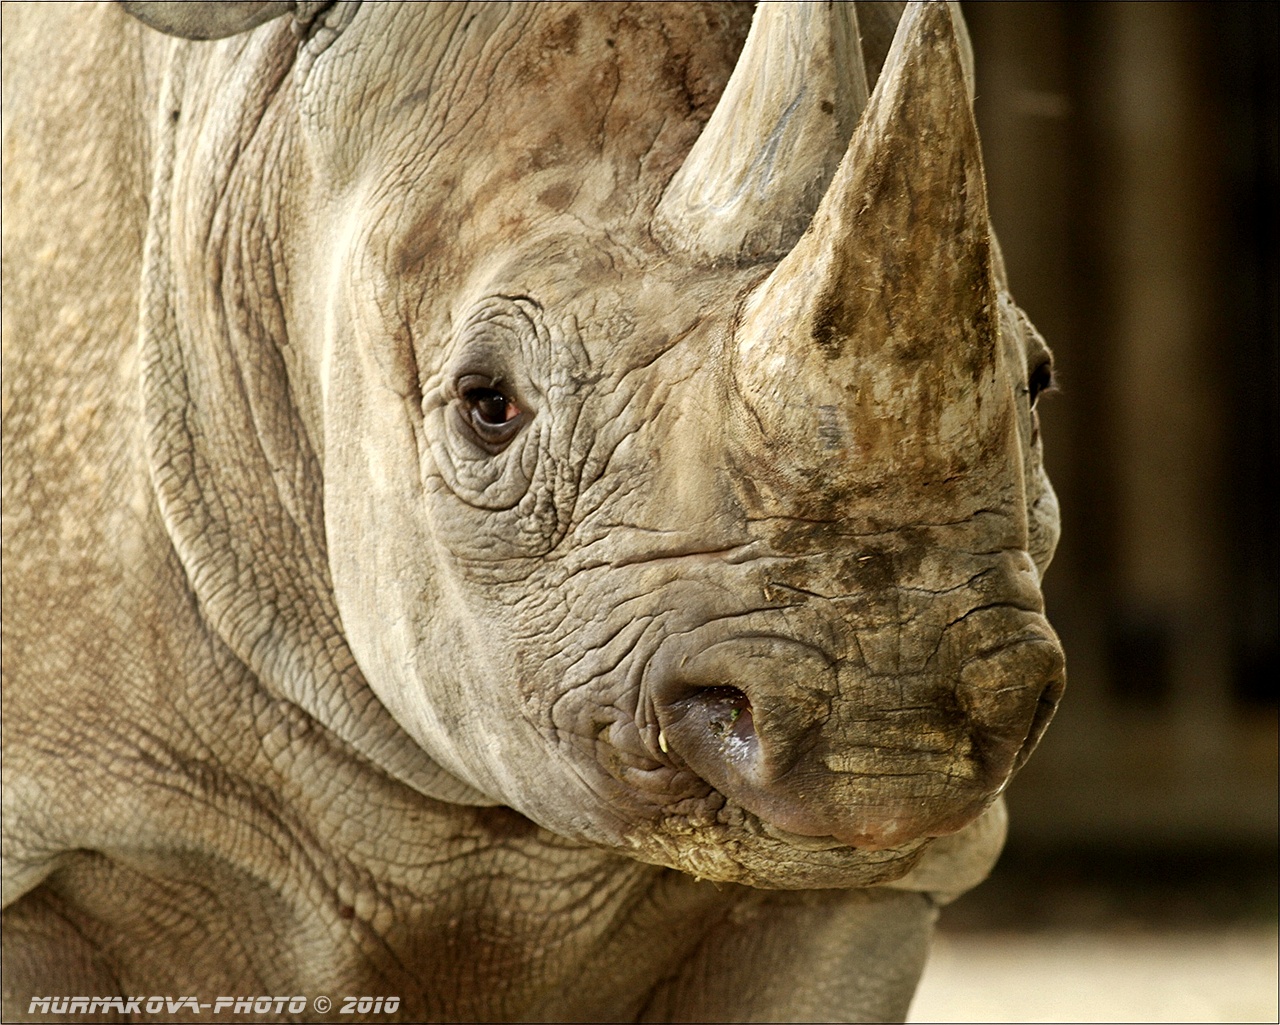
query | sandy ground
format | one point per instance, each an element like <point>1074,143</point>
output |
<point>1211,976</point>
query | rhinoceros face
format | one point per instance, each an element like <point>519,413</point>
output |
<point>678,528</point>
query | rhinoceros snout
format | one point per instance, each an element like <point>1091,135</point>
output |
<point>817,747</point>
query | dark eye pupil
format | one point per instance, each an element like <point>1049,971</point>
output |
<point>491,406</point>
<point>1041,380</point>
<point>491,414</point>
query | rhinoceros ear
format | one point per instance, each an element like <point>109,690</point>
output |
<point>207,20</point>
<point>751,182</point>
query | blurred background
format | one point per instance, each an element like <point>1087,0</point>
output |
<point>1131,152</point>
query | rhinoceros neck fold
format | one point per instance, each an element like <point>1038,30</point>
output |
<point>236,480</point>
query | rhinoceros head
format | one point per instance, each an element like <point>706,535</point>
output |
<point>681,486</point>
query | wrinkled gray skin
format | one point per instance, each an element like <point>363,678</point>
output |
<point>688,700</point>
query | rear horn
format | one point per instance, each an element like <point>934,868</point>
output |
<point>752,181</point>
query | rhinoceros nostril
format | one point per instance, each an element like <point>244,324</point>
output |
<point>1009,696</point>
<point>737,711</point>
<point>728,709</point>
<point>712,722</point>
<point>1046,705</point>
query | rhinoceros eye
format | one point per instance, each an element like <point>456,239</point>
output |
<point>491,413</point>
<point>1041,380</point>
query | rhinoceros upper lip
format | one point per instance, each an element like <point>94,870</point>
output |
<point>804,843</point>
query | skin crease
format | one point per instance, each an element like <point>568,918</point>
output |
<point>305,691</point>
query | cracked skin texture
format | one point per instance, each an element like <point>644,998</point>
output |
<point>244,543</point>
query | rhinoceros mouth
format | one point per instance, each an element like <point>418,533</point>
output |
<point>679,820</point>
<point>801,842</point>
<point>685,823</point>
<point>740,847</point>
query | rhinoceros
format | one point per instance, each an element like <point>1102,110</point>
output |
<point>512,511</point>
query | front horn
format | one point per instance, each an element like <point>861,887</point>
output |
<point>870,353</point>
<point>752,181</point>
